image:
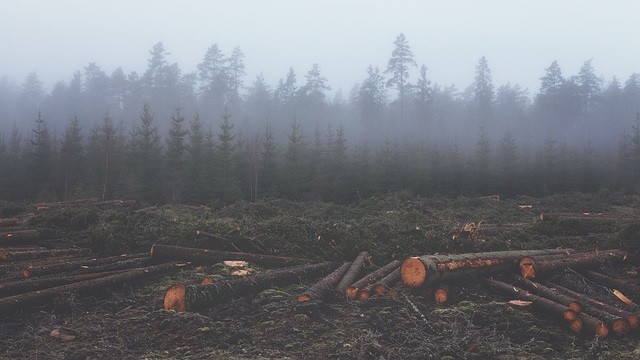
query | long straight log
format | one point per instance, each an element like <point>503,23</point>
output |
<point>578,261</point>
<point>353,290</point>
<point>352,274</point>
<point>15,267</point>
<point>325,286</point>
<point>25,285</point>
<point>18,236</point>
<point>594,307</point>
<point>549,293</point>
<point>538,302</point>
<point>386,283</point>
<point>612,282</point>
<point>418,271</point>
<point>39,270</point>
<point>181,297</point>
<point>38,254</point>
<point>20,248</point>
<point>6,222</point>
<point>23,301</point>
<point>527,263</point>
<point>583,216</point>
<point>169,252</point>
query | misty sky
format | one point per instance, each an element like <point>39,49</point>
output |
<point>519,38</point>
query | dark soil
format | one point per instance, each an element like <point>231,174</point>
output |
<point>129,322</point>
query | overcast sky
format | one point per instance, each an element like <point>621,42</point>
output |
<point>519,38</point>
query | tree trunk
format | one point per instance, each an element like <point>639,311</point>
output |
<point>22,301</point>
<point>39,254</point>
<point>527,263</point>
<point>82,265</point>
<point>621,321</point>
<point>353,290</point>
<point>25,285</point>
<point>551,294</point>
<point>18,236</point>
<point>386,283</point>
<point>583,216</point>
<point>612,282</point>
<point>418,271</point>
<point>576,261</point>
<point>538,302</point>
<point>325,286</point>
<point>352,274</point>
<point>182,297</point>
<point>213,256</point>
<point>8,222</point>
<point>15,267</point>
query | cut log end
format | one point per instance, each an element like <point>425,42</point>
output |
<point>26,273</point>
<point>634,321</point>
<point>570,315</point>
<point>576,325</point>
<point>601,330</point>
<point>575,306</point>
<point>363,295</point>
<point>527,267</point>
<point>379,289</point>
<point>302,298</point>
<point>207,280</point>
<point>175,298</point>
<point>352,292</point>
<point>413,272</point>
<point>441,295</point>
<point>620,327</point>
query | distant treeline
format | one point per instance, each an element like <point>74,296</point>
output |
<point>168,135</point>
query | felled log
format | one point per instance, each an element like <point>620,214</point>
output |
<point>15,267</point>
<point>538,302</point>
<point>325,286</point>
<point>594,325</point>
<point>352,273</point>
<point>217,238</point>
<point>63,204</point>
<point>23,301</point>
<point>549,293</point>
<point>40,253</point>
<point>5,249</point>
<point>527,263</point>
<point>114,204</point>
<point>418,271</point>
<point>169,252</point>
<point>353,290</point>
<point>25,285</point>
<point>181,297</point>
<point>577,261</point>
<point>594,307</point>
<point>612,282</point>
<point>21,236</point>
<point>583,216</point>
<point>8,222</point>
<point>441,293</point>
<point>39,270</point>
<point>386,283</point>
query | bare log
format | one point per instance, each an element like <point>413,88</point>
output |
<point>352,274</point>
<point>386,283</point>
<point>181,297</point>
<point>538,302</point>
<point>23,301</point>
<point>612,282</point>
<point>594,307</point>
<point>418,271</point>
<point>39,270</point>
<point>168,252</point>
<point>322,288</point>
<point>25,285</point>
<point>353,290</point>
<point>577,261</point>
<point>39,254</point>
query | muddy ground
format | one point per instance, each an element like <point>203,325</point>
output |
<point>129,322</point>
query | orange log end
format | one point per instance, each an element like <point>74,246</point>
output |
<point>413,272</point>
<point>575,306</point>
<point>352,292</point>
<point>379,289</point>
<point>570,315</point>
<point>441,295</point>
<point>207,280</point>
<point>528,268</point>
<point>576,325</point>
<point>634,321</point>
<point>303,298</point>
<point>175,298</point>
<point>26,273</point>
<point>363,295</point>
<point>620,327</point>
<point>602,330</point>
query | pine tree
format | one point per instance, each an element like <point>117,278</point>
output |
<point>197,187</point>
<point>483,92</point>
<point>226,179</point>
<point>175,157</point>
<point>145,157</point>
<point>399,63</point>
<point>269,165</point>
<point>41,158</point>
<point>293,182</point>
<point>71,157</point>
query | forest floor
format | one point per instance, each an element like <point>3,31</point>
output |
<point>130,323</point>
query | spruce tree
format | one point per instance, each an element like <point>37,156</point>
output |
<point>175,157</point>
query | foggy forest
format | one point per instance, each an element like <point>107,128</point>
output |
<point>210,134</point>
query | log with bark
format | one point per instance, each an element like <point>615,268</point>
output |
<point>386,283</point>
<point>428,269</point>
<point>115,204</point>
<point>538,302</point>
<point>64,204</point>
<point>18,236</point>
<point>576,261</point>
<point>42,253</point>
<point>325,286</point>
<point>15,287</point>
<point>527,263</point>
<point>39,270</point>
<point>359,263</point>
<point>6,222</point>
<point>181,297</point>
<point>23,301</point>
<point>613,283</point>
<point>168,252</point>
<point>549,293</point>
<point>353,291</point>
<point>15,267</point>
<point>584,216</point>
<point>593,307</point>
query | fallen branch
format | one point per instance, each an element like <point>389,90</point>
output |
<point>418,271</point>
<point>39,270</point>
<point>40,253</point>
<point>25,285</point>
<point>324,287</point>
<point>168,252</point>
<point>23,301</point>
<point>181,297</point>
<point>352,273</point>
<point>576,261</point>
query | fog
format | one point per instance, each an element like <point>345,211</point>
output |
<point>457,76</point>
